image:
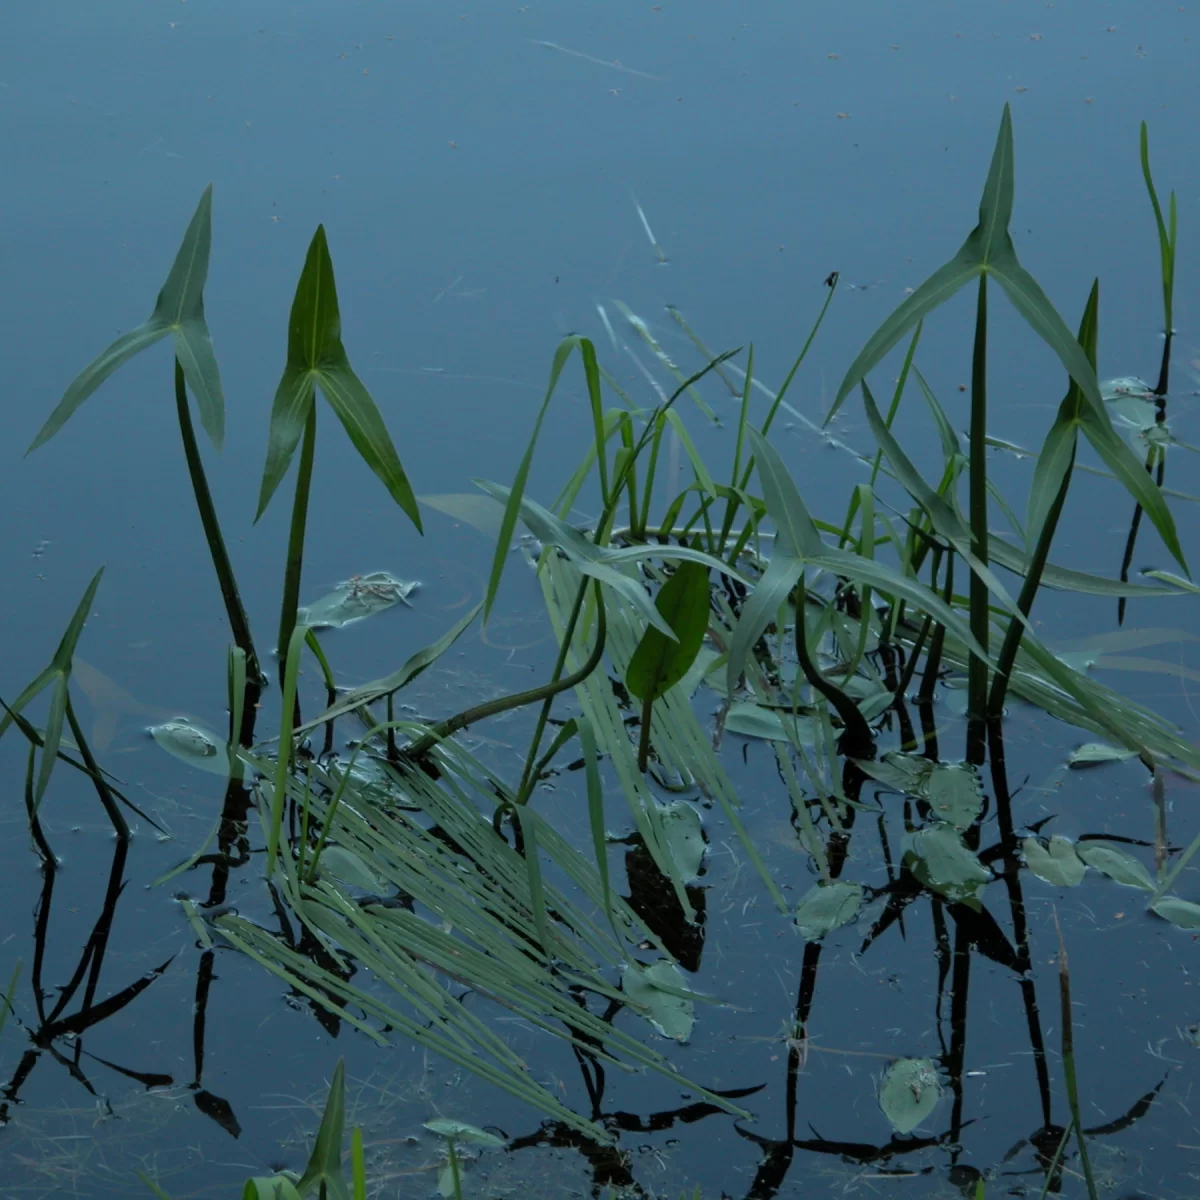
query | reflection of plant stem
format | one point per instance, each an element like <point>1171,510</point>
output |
<point>238,621</point>
<point>295,554</point>
<point>1068,1058</point>
<point>545,693</point>
<point>977,668</point>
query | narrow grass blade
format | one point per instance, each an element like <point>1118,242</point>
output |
<point>770,593</point>
<point>294,398</point>
<point>527,819</point>
<point>595,799</point>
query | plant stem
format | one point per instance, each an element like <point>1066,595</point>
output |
<point>295,556</point>
<point>977,670</point>
<point>238,622</point>
<point>115,815</point>
<point>1068,1059</point>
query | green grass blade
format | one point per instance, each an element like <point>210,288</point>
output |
<point>358,1165</point>
<point>528,820</point>
<point>1166,239</point>
<point>516,494</point>
<point>795,533</point>
<point>66,647</point>
<point>51,739</point>
<point>283,762</point>
<point>595,800</point>
<point>361,419</point>
<point>770,593</point>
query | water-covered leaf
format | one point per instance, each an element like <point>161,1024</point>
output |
<point>1133,406</point>
<point>656,988</point>
<point>955,793</point>
<point>1181,913</point>
<point>907,773</point>
<point>1093,754</point>
<point>348,867</point>
<point>683,831</point>
<point>826,907</point>
<point>939,859</point>
<point>460,1131</point>
<point>191,742</point>
<point>748,719</point>
<point>909,1092</point>
<point>1118,865</point>
<point>1056,862</point>
<point>355,599</point>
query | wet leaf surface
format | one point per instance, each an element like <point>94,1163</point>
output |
<point>826,907</point>
<point>938,858</point>
<point>654,988</point>
<point>355,599</point>
<point>909,1092</point>
<point>1056,861</point>
<point>1118,865</point>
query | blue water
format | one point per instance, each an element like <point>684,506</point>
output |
<point>478,170</point>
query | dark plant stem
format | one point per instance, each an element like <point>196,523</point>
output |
<point>238,622</point>
<point>1068,1060</point>
<point>933,662</point>
<point>115,815</point>
<point>644,740</point>
<point>977,669</point>
<point>295,557</point>
<point>1164,370</point>
<point>856,740</point>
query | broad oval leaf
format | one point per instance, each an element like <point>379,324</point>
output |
<point>1181,913</point>
<point>826,907</point>
<point>939,859</point>
<point>1056,862</point>
<point>955,793</point>
<point>659,662</point>
<point>909,1092</point>
<point>1118,865</point>
<point>657,989</point>
<point>683,832</point>
<point>347,867</point>
<point>1093,754</point>
<point>192,743</point>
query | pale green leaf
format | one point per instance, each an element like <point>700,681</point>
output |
<point>826,907</point>
<point>909,1092</point>
<point>657,989</point>
<point>1056,862</point>
<point>1118,865</point>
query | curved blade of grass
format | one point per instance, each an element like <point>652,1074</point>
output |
<point>516,494</point>
<point>1166,240</point>
<point>368,693</point>
<point>527,819</point>
<point>795,534</point>
<point>770,592</point>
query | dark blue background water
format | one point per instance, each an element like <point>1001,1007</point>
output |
<point>478,192</point>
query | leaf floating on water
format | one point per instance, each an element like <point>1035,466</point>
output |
<point>460,1131</point>
<point>192,743</point>
<point>347,867</point>
<point>955,793</point>
<point>772,724</point>
<point>684,834</point>
<point>1117,864</point>
<point>359,597</point>
<point>1093,754</point>
<point>909,1092</point>
<point>655,988</point>
<point>907,773</point>
<point>1056,863</point>
<point>826,907</point>
<point>939,859</point>
<point>1181,913</point>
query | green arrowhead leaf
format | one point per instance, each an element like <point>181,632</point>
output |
<point>1056,861</point>
<point>317,359</point>
<point>324,1168</point>
<point>179,310</point>
<point>1116,864</point>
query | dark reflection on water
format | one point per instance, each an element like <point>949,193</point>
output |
<point>479,172</point>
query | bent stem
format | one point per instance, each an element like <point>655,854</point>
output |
<point>295,557</point>
<point>238,622</point>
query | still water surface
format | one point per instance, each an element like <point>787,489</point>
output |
<point>479,170</point>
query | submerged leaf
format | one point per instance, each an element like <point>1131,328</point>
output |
<point>748,719</point>
<point>909,1092</point>
<point>826,907</point>
<point>1181,913</point>
<point>1092,754</point>
<point>460,1131</point>
<point>192,743</point>
<point>939,859</point>
<point>1118,865</point>
<point>347,867</point>
<point>359,597</point>
<point>655,988</point>
<point>1056,862</point>
<point>683,832</point>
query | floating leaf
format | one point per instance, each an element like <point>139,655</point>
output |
<point>683,832</point>
<point>1056,863</point>
<point>907,773</point>
<point>1092,754</point>
<point>656,988</point>
<point>955,793</point>
<point>192,743</point>
<point>909,1092</point>
<point>939,859</point>
<point>348,867</point>
<point>1182,913</point>
<point>826,907</point>
<point>460,1131</point>
<point>1117,864</point>
<point>357,598</point>
<point>748,719</point>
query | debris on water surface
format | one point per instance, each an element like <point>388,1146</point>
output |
<point>355,599</point>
